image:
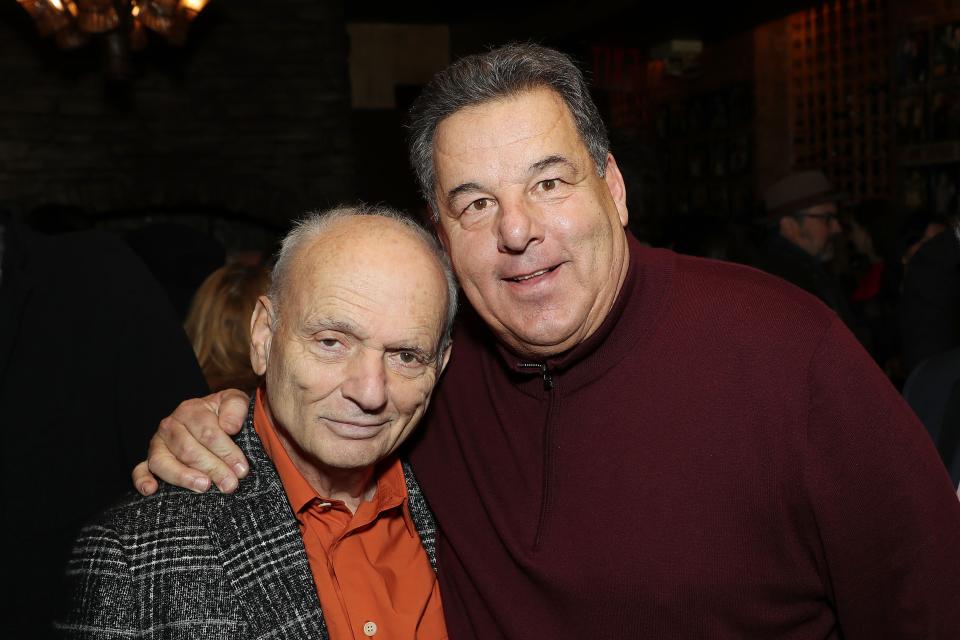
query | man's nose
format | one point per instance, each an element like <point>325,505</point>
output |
<point>365,382</point>
<point>835,227</point>
<point>518,226</point>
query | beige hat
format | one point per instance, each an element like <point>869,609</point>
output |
<point>799,191</point>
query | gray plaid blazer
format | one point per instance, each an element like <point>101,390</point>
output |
<point>184,565</point>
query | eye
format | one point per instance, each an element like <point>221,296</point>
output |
<point>478,205</point>
<point>549,185</point>
<point>409,362</point>
<point>331,346</point>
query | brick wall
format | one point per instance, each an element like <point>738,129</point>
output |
<point>253,116</point>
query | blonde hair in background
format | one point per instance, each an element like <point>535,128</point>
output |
<point>218,324</point>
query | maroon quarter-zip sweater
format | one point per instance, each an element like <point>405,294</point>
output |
<point>720,459</point>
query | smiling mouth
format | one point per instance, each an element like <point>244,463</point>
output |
<point>354,431</point>
<point>358,425</point>
<point>530,276</point>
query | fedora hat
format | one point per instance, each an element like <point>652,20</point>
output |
<point>799,191</point>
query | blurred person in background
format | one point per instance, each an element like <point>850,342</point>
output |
<point>179,256</point>
<point>91,356</point>
<point>930,334</point>
<point>803,216</point>
<point>933,392</point>
<point>930,294</point>
<point>218,324</point>
<point>863,266</point>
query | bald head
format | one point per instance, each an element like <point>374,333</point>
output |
<point>359,233</point>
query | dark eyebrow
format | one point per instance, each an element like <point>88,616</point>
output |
<point>551,161</point>
<point>463,188</point>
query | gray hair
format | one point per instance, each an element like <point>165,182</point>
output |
<point>316,222</point>
<point>500,73</point>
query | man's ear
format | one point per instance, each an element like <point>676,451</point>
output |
<point>789,228</point>
<point>445,359</point>
<point>438,228</point>
<point>618,190</point>
<point>261,335</point>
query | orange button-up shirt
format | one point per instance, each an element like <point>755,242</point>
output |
<point>372,574</point>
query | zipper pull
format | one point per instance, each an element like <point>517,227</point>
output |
<point>547,379</point>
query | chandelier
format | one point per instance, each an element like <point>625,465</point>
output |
<point>123,22</point>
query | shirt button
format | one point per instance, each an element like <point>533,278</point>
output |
<point>370,629</point>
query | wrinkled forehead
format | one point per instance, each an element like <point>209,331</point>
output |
<point>523,113</point>
<point>502,137</point>
<point>370,264</point>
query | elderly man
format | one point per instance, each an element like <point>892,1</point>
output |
<point>631,443</point>
<point>328,533</point>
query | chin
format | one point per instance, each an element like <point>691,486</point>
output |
<point>552,331</point>
<point>353,457</point>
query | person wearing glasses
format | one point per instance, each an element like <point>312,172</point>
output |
<point>803,217</point>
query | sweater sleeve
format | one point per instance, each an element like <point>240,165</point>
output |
<point>886,512</point>
<point>100,587</point>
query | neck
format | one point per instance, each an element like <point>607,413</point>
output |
<point>350,486</point>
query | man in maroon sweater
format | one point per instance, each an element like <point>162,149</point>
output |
<point>627,442</point>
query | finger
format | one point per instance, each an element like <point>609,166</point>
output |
<point>195,423</point>
<point>143,480</point>
<point>165,466</point>
<point>186,459</point>
<point>233,405</point>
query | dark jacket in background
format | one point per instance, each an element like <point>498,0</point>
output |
<point>930,300</point>
<point>933,392</point>
<point>786,260</point>
<point>91,359</point>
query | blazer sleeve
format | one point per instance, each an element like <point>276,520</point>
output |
<point>100,604</point>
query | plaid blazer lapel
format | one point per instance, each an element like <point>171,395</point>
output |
<point>421,515</point>
<point>262,552</point>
